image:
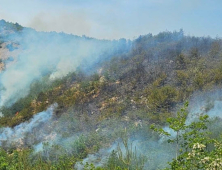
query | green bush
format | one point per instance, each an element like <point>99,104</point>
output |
<point>194,147</point>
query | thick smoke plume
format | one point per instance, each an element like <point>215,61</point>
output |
<point>42,53</point>
<point>27,133</point>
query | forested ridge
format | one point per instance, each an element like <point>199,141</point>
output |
<point>144,82</point>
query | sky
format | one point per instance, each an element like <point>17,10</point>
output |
<point>114,19</point>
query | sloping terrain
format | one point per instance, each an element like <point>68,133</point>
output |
<point>100,88</point>
<point>158,73</point>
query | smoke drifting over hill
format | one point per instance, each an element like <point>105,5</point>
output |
<point>41,53</point>
<point>140,83</point>
<point>27,133</point>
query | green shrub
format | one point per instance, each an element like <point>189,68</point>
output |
<point>194,147</point>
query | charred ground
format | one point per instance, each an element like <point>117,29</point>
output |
<point>141,83</point>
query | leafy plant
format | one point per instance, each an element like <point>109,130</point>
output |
<point>125,158</point>
<point>194,148</point>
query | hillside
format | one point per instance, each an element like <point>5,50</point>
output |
<point>100,88</point>
<point>158,73</point>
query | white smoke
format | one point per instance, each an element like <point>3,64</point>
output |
<point>98,159</point>
<point>41,53</point>
<point>157,154</point>
<point>209,103</point>
<point>17,136</point>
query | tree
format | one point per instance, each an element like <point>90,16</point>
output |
<point>181,62</point>
<point>194,148</point>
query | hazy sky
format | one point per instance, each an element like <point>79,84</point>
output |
<point>116,18</point>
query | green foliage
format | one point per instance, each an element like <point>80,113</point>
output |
<point>182,78</point>
<point>79,147</point>
<point>194,148</point>
<point>178,123</point>
<point>181,62</point>
<point>160,100</point>
<point>3,160</point>
<point>151,75</point>
<point>146,83</point>
<point>125,158</point>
